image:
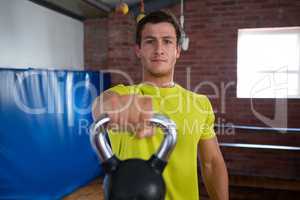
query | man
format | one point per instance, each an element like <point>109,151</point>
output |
<point>129,107</point>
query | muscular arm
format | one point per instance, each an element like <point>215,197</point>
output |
<point>213,169</point>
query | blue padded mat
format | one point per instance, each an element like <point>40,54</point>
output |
<point>45,151</point>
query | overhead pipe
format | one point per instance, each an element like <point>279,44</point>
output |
<point>99,5</point>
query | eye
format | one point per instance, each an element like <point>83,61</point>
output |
<point>168,41</point>
<point>149,41</point>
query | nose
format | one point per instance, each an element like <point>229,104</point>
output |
<point>159,50</point>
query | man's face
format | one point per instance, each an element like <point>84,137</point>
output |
<point>158,50</point>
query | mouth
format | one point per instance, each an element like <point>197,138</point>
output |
<point>158,60</point>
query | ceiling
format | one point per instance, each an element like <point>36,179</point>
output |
<point>88,9</point>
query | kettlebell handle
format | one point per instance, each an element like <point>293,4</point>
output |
<point>99,141</point>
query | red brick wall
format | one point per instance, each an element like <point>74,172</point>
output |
<point>118,31</point>
<point>95,44</point>
<point>212,28</point>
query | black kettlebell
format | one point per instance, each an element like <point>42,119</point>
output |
<point>134,179</point>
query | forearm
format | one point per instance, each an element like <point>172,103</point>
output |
<point>216,179</point>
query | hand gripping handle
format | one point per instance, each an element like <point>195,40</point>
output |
<point>100,144</point>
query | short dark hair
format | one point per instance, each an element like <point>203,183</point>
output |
<point>158,17</point>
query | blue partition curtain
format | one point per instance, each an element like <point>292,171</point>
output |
<point>45,115</point>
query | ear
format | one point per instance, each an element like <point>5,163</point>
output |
<point>137,51</point>
<point>178,51</point>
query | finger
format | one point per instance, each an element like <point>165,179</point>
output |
<point>139,130</point>
<point>145,130</point>
<point>123,113</point>
<point>112,109</point>
<point>133,113</point>
<point>148,132</point>
<point>146,111</point>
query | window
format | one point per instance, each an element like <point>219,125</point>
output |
<point>268,63</point>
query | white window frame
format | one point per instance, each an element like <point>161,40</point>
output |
<point>259,78</point>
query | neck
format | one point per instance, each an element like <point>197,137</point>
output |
<point>159,81</point>
<point>162,85</point>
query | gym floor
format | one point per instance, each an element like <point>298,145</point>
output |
<point>92,191</point>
